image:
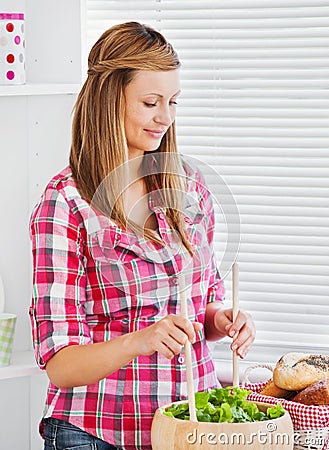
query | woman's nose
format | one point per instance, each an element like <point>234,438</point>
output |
<point>165,116</point>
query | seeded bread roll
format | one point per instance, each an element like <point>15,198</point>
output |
<point>296,371</point>
<point>315,394</point>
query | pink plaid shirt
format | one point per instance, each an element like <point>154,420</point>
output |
<point>94,281</point>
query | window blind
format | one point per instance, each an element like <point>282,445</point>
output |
<point>255,108</point>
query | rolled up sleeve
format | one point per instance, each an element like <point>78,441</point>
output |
<point>57,311</point>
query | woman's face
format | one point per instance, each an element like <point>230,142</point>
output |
<point>150,109</point>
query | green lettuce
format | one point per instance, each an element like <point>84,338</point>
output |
<point>224,405</point>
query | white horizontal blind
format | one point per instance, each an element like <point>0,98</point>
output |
<point>255,106</point>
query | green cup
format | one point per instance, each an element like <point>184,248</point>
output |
<point>7,331</point>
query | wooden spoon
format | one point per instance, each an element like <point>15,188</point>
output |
<point>187,353</point>
<point>235,300</point>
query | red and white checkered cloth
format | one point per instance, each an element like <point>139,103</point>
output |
<point>304,417</point>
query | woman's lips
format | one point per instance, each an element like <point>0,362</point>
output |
<point>157,134</point>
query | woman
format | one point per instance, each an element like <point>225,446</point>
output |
<point>113,236</point>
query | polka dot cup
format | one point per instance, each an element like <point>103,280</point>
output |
<point>12,48</point>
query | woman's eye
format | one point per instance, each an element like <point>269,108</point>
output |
<point>152,105</point>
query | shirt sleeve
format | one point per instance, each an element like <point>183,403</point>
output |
<point>59,282</point>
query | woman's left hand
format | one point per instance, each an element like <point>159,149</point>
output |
<point>242,331</point>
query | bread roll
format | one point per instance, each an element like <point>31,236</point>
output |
<point>296,371</point>
<point>274,391</point>
<point>315,394</point>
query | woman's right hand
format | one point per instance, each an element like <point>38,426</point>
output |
<point>167,336</point>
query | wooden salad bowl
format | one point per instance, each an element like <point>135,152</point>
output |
<point>169,433</point>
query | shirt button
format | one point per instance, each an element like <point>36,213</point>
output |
<point>174,280</point>
<point>117,237</point>
<point>161,216</point>
<point>181,359</point>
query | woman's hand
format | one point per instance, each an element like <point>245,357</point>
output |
<point>167,336</point>
<point>242,330</point>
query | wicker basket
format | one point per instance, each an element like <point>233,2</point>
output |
<point>311,423</point>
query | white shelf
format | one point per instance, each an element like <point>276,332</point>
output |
<point>39,89</point>
<point>22,365</point>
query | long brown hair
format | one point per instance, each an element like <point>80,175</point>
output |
<point>98,138</point>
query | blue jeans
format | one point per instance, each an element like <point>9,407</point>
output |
<point>61,435</point>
